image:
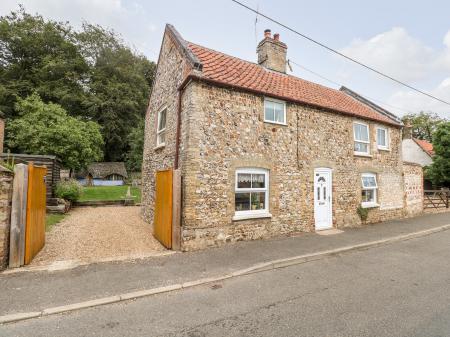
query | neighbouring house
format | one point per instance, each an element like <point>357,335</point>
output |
<point>417,151</point>
<point>52,163</point>
<point>263,153</point>
<point>104,174</point>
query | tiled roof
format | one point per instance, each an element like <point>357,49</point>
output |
<point>425,145</point>
<point>230,71</point>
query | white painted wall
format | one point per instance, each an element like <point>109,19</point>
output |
<point>413,153</point>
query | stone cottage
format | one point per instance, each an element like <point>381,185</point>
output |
<point>264,153</point>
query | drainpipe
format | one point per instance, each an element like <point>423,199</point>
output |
<point>177,140</point>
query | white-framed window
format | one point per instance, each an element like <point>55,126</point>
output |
<point>369,190</point>
<point>251,195</point>
<point>161,127</point>
<point>274,111</point>
<point>382,138</point>
<point>361,138</point>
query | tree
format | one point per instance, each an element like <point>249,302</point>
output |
<point>439,171</point>
<point>423,124</point>
<point>48,130</point>
<point>120,86</point>
<point>40,56</point>
<point>136,141</point>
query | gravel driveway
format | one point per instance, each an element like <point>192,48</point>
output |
<point>90,234</point>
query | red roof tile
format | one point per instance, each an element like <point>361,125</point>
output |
<point>425,145</point>
<point>231,71</point>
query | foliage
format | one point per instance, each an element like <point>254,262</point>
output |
<point>135,153</point>
<point>52,219</point>
<point>8,162</point>
<point>439,171</point>
<point>106,193</point>
<point>120,81</point>
<point>363,213</point>
<point>90,73</point>
<point>69,190</point>
<point>423,124</point>
<point>40,56</point>
<point>47,129</point>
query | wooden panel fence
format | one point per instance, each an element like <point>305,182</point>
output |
<point>436,198</point>
<point>162,224</point>
<point>36,202</point>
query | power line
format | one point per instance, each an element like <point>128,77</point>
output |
<point>341,85</point>
<point>339,53</point>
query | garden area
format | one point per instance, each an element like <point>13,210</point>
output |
<point>107,193</point>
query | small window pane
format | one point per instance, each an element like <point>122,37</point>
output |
<point>162,120</point>
<point>368,195</point>
<point>361,147</point>
<point>318,193</point>
<point>369,182</point>
<point>279,113</point>
<point>258,180</point>
<point>244,180</point>
<point>161,138</point>
<point>269,111</point>
<point>361,132</point>
<point>242,201</point>
<point>381,137</point>
<point>258,200</point>
<point>324,193</point>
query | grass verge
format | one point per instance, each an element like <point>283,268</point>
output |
<point>52,219</point>
<point>107,193</point>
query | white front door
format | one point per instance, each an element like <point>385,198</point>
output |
<point>323,198</point>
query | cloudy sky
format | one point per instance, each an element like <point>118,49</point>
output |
<point>409,40</point>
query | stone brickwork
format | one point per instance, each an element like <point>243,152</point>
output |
<point>223,129</point>
<point>228,132</point>
<point>413,177</point>
<point>6,185</point>
<point>272,53</point>
<point>169,75</point>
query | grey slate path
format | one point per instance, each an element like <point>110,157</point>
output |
<point>32,291</point>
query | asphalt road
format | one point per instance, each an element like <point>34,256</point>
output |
<point>401,289</point>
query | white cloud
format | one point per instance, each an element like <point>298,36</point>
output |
<point>414,101</point>
<point>394,52</point>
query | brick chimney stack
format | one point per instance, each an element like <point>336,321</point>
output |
<point>407,131</point>
<point>272,52</point>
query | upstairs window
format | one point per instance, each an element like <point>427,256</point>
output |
<point>274,111</point>
<point>382,138</point>
<point>369,190</point>
<point>361,138</point>
<point>251,192</point>
<point>161,130</point>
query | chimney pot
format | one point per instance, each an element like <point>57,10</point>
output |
<point>267,33</point>
<point>276,37</point>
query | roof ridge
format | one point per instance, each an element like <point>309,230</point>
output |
<point>258,65</point>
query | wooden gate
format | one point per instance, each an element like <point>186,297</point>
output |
<point>36,208</point>
<point>436,198</point>
<point>162,223</point>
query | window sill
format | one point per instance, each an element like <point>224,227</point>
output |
<point>370,205</point>
<point>358,154</point>
<point>384,149</point>
<point>275,123</point>
<point>238,217</point>
<point>160,146</point>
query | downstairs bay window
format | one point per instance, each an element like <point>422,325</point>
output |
<point>251,195</point>
<point>369,190</point>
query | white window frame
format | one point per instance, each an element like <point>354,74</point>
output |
<point>278,102</point>
<point>163,130</point>
<point>361,141</point>
<point>386,138</point>
<point>373,203</point>
<point>249,214</point>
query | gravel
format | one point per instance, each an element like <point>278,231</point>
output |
<point>91,234</point>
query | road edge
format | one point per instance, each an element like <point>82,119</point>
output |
<point>256,268</point>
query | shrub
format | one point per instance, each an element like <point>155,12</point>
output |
<point>363,213</point>
<point>69,190</point>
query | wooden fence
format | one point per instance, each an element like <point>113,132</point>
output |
<point>27,235</point>
<point>436,198</point>
<point>162,223</point>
